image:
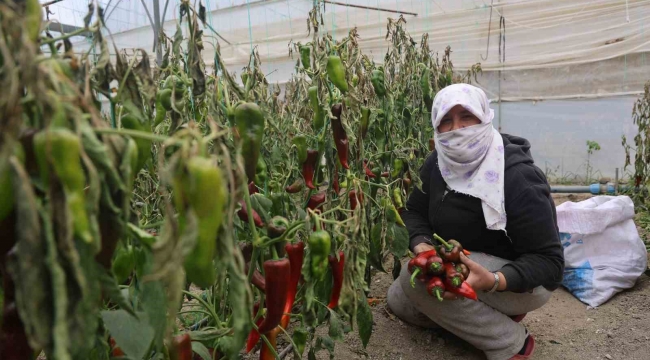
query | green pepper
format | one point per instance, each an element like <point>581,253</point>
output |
<point>123,264</point>
<point>144,145</point>
<point>425,86</point>
<point>378,80</point>
<point>201,186</point>
<point>261,172</point>
<point>165,98</point>
<point>336,73</point>
<point>397,197</point>
<point>300,141</point>
<point>61,148</point>
<point>250,124</point>
<point>161,111</point>
<point>33,19</point>
<point>365,121</point>
<point>305,56</point>
<point>355,80</point>
<point>392,215</point>
<point>398,165</point>
<point>173,81</point>
<point>319,114</point>
<point>320,244</point>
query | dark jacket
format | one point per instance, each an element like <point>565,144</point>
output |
<point>532,240</point>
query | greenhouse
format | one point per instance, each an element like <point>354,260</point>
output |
<point>318,179</point>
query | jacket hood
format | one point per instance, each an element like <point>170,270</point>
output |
<point>517,150</point>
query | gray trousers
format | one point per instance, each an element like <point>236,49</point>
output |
<point>485,323</point>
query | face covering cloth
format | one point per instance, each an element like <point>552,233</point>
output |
<point>471,159</point>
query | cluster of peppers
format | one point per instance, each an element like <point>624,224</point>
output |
<point>442,270</point>
<point>280,294</point>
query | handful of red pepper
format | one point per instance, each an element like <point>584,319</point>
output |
<point>442,270</point>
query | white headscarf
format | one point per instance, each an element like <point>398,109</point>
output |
<point>471,159</point>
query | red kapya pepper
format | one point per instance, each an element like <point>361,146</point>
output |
<point>309,167</point>
<point>435,265</point>
<point>316,200</point>
<point>435,287</point>
<point>252,189</point>
<point>369,173</point>
<point>355,199</point>
<point>265,352</point>
<point>454,277</point>
<point>295,187</point>
<point>463,270</point>
<point>257,280</point>
<point>464,290</point>
<point>337,275</point>
<point>243,214</point>
<point>181,348</point>
<point>296,254</point>
<point>418,265</point>
<point>340,136</point>
<point>450,250</point>
<point>276,273</point>
<point>253,335</point>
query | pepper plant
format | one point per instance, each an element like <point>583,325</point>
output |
<point>200,193</point>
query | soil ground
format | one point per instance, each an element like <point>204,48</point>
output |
<point>564,328</point>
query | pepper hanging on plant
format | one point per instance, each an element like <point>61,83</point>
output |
<point>309,167</point>
<point>319,114</point>
<point>365,121</point>
<point>354,199</point>
<point>250,125</point>
<point>276,273</point>
<point>337,266</point>
<point>243,214</point>
<point>295,187</point>
<point>336,73</point>
<point>295,253</point>
<point>340,136</point>
<point>305,56</point>
<point>320,244</point>
<point>300,141</point>
<point>316,200</point>
<point>378,80</point>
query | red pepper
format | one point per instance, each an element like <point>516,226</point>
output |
<point>295,187</point>
<point>296,254</point>
<point>435,287</point>
<point>276,273</point>
<point>309,167</point>
<point>385,174</point>
<point>316,200</point>
<point>243,215</point>
<point>253,335</point>
<point>252,189</point>
<point>464,290</point>
<point>116,351</point>
<point>418,265</point>
<point>452,275</point>
<point>340,136</point>
<point>265,352</point>
<point>368,172</point>
<point>463,270</point>
<point>434,265</point>
<point>258,279</point>
<point>182,347</point>
<point>337,275</point>
<point>354,199</point>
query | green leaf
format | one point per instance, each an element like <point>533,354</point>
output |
<point>209,334</point>
<point>201,350</point>
<point>142,236</point>
<point>399,236</point>
<point>397,267</point>
<point>364,320</point>
<point>133,335</point>
<point>312,354</point>
<point>154,302</point>
<point>112,291</point>
<point>375,256</point>
<point>325,342</point>
<point>262,205</point>
<point>336,326</point>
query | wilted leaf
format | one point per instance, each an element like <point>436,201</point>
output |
<point>336,326</point>
<point>364,320</point>
<point>376,255</point>
<point>399,237</point>
<point>133,335</point>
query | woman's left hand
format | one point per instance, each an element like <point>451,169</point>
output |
<point>479,277</point>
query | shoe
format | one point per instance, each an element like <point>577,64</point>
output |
<point>518,318</point>
<point>528,350</point>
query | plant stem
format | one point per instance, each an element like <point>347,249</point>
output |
<point>133,133</point>
<point>443,242</point>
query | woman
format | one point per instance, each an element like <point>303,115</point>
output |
<point>481,188</point>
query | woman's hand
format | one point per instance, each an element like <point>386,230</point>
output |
<point>479,277</point>
<point>422,247</point>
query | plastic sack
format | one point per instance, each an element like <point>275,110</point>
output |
<point>603,252</point>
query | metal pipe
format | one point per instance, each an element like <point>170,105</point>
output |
<point>370,8</point>
<point>594,189</point>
